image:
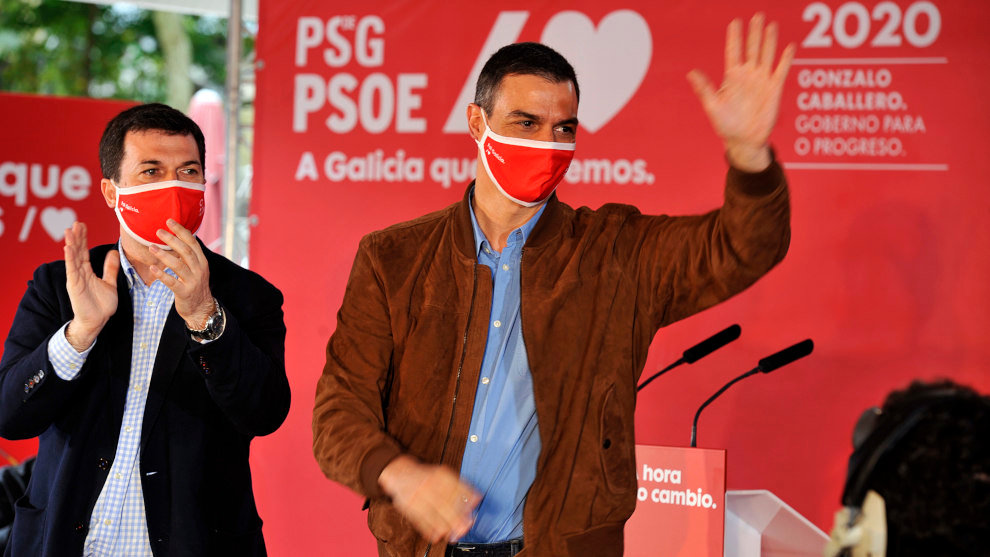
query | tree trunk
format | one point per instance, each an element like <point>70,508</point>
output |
<point>177,53</point>
<point>87,54</point>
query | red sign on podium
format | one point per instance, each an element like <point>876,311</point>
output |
<point>680,507</point>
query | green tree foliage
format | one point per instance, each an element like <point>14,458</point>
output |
<point>69,48</point>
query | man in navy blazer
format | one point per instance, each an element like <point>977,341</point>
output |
<point>145,372</point>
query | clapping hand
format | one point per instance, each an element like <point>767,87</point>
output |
<point>93,298</point>
<point>191,285</point>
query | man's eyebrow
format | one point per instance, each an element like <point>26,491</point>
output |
<point>535,118</point>
<point>155,162</point>
<point>524,114</point>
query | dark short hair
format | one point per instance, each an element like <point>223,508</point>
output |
<point>936,480</point>
<point>144,117</point>
<point>521,59</point>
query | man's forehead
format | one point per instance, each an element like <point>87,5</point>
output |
<point>532,81</point>
<point>141,142</point>
<point>155,134</point>
<point>535,97</point>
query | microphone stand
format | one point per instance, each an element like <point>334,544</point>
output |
<point>698,351</point>
<point>661,372</point>
<point>694,424</point>
<point>766,365</point>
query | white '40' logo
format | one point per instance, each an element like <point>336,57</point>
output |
<point>610,60</point>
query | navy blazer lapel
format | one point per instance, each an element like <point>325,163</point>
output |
<point>171,349</point>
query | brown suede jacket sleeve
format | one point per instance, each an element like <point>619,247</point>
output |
<point>687,264</point>
<point>349,439</point>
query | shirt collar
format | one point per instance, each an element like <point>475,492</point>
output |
<point>129,272</point>
<point>479,235</point>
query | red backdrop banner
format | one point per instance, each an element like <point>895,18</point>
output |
<point>49,177</point>
<point>361,124</point>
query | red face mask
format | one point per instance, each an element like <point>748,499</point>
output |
<point>524,170</point>
<point>142,210</point>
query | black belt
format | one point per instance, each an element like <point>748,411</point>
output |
<point>500,549</point>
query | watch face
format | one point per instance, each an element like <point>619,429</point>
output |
<point>214,326</point>
<point>211,327</point>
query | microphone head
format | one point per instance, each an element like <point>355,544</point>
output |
<point>711,344</point>
<point>786,356</point>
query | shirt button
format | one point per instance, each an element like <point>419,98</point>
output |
<point>107,522</point>
<point>151,303</point>
<point>488,251</point>
<point>128,429</point>
<point>505,267</point>
<point>497,323</point>
<point>144,346</point>
<point>73,366</point>
<point>117,475</point>
<point>484,380</point>
<point>137,388</point>
<point>474,438</point>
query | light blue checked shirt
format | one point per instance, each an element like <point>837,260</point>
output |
<point>503,441</point>
<point>118,525</point>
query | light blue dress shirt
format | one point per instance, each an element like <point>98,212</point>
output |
<point>118,524</point>
<point>503,441</point>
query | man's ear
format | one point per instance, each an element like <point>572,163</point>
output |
<point>109,192</point>
<point>476,121</point>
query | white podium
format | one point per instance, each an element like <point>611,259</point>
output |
<point>760,524</point>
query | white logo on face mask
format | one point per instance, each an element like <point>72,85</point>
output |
<point>491,150</point>
<point>124,205</point>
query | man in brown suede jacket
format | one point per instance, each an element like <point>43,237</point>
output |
<point>480,386</point>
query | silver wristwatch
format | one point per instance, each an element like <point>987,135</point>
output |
<point>214,327</point>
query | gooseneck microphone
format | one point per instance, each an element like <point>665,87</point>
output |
<point>766,365</point>
<point>699,351</point>
<point>786,356</point>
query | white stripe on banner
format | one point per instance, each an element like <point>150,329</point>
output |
<point>867,61</point>
<point>863,166</point>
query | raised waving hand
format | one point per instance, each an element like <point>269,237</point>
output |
<point>744,109</point>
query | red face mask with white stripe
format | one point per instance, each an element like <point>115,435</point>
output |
<point>525,170</point>
<point>144,209</point>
